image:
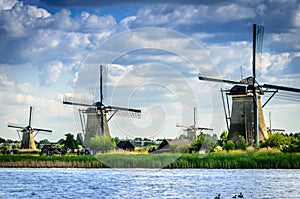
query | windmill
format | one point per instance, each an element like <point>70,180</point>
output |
<point>192,130</point>
<point>96,120</point>
<point>28,133</point>
<point>247,117</point>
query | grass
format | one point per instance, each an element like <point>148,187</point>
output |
<point>234,160</point>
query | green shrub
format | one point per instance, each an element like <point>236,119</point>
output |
<point>241,143</point>
<point>102,143</point>
<point>229,145</point>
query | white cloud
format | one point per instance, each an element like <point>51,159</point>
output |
<point>58,43</point>
<point>19,19</point>
<point>274,63</point>
<point>171,15</point>
<point>124,23</point>
<point>50,74</point>
<point>4,82</point>
<point>25,88</point>
<point>63,21</point>
<point>233,12</point>
<point>7,4</point>
<point>92,23</point>
<point>296,20</point>
<point>33,35</point>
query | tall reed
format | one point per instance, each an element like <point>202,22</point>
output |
<point>247,160</point>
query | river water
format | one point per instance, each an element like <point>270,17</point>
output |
<point>148,183</point>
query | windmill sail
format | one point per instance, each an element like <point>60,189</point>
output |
<point>258,48</point>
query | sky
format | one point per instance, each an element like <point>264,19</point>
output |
<point>153,50</point>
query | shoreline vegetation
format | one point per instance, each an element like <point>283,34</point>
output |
<point>215,160</point>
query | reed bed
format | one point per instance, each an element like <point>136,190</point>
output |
<point>247,160</point>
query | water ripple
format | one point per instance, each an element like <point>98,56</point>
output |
<point>148,183</point>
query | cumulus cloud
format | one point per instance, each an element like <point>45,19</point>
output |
<point>56,43</point>
<point>4,82</point>
<point>33,35</point>
<point>51,73</point>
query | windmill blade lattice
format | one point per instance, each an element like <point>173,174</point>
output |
<point>258,50</point>
<point>124,112</point>
<point>77,101</point>
<point>102,89</point>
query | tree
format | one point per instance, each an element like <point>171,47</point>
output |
<point>204,141</point>
<point>4,148</point>
<point>223,138</point>
<point>44,141</point>
<point>149,143</point>
<point>70,142</point>
<point>60,141</point>
<point>102,143</point>
<point>229,145</point>
<point>241,143</point>
<point>2,140</point>
<point>278,140</point>
<point>285,143</point>
<point>137,139</point>
<point>117,140</point>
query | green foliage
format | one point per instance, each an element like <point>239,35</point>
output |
<point>117,140</point>
<point>182,137</point>
<point>241,143</point>
<point>204,142</point>
<point>45,141</point>
<point>149,143</point>
<point>294,146</point>
<point>173,148</point>
<point>137,139</point>
<point>297,135</point>
<point>179,149</point>
<point>4,148</point>
<point>223,138</point>
<point>197,144</point>
<point>70,142</point>
<point>59,146</point>
<point>2,140</point>
<point>60,141</point>
<point>18,144</point>
<point>279,141</point>
<point>217,149</point>
<point>229,145</point>
<point>102,143</point>
<point>291,148</point>
<point>9,141</point>
<point>247,160</point>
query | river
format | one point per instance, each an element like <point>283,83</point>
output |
<point>148,183</point>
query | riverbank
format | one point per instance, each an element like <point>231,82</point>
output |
<point>242,160</point>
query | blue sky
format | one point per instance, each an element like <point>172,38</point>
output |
<point>154,51</point>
